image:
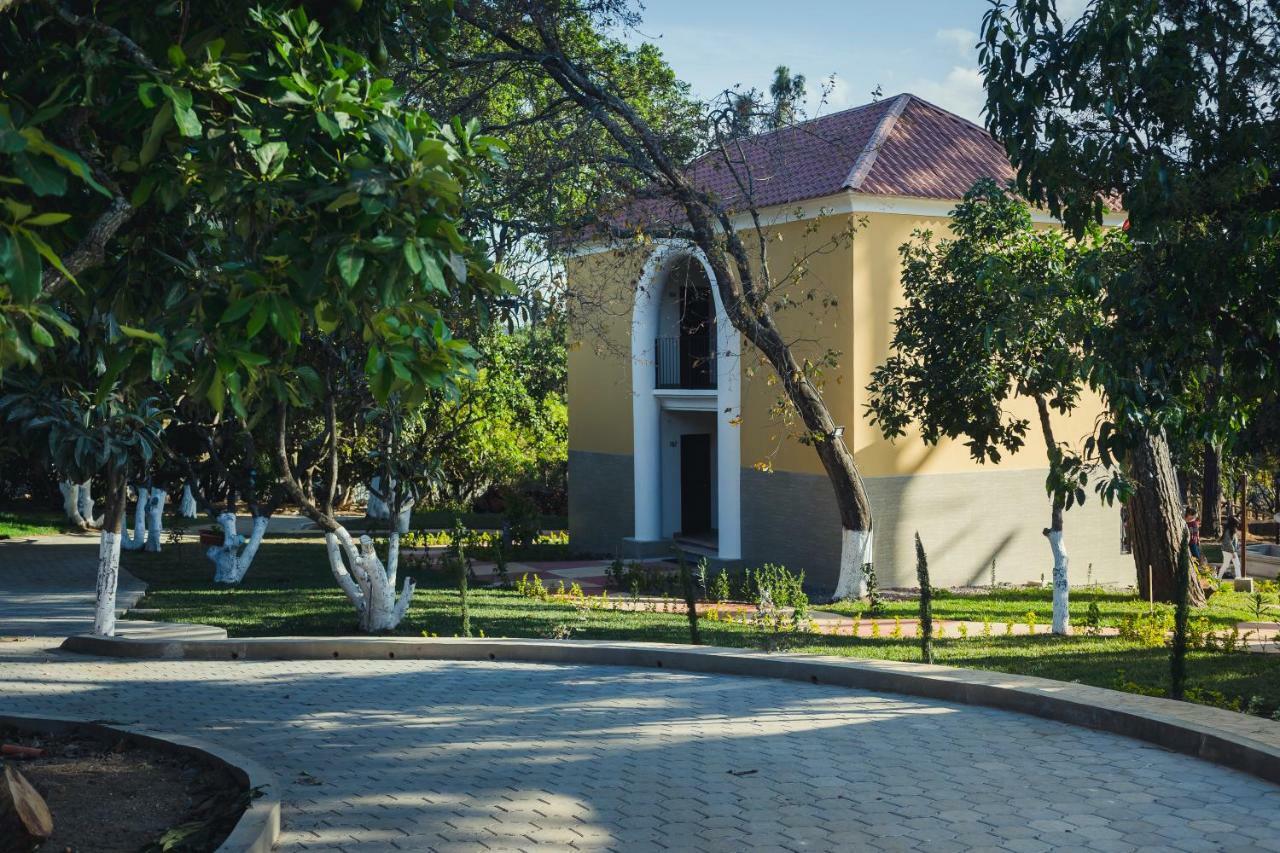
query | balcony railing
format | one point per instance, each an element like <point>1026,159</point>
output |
<point>688,362</point>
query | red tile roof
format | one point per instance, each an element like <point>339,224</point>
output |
<point>900,146</point>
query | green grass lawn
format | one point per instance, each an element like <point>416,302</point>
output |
<point>1225,607</point>
<point>14,523</point>
<point>290,591</point>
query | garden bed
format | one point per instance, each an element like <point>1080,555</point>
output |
<point>121,795</point>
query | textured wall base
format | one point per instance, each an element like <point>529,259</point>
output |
<point>601,501</point>
<point>965,520</point>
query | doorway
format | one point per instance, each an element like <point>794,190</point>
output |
<point>695,483</point>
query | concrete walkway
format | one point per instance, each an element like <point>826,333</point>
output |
<point>47,585</point>
<point>435,755</point>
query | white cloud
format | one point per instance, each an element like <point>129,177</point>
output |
<point>961,92</point>
<point>1069,10</point>
<point>960,39</point>
<point>838,95</point>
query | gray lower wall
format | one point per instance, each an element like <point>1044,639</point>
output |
<point>601,501</point>
<point>965,521</point>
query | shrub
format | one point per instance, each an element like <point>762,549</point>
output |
<point>523,520</point>
<point>785,588</point>
<point>1148,630</point>
<point>720,590</point>
<point>1093,618</point>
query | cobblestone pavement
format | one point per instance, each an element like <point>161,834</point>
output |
<point>436,755</point>
<point>47,586</point>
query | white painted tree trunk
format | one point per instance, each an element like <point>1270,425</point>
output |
<point>155,518</point>
<point>855,552</point>
<point>1061,595</point>
<point>104,619</point>
<point>138,538</point>
<point>86,504</point>
<point>230,562</point>
<point>187,506</point>
<point>71,503</point>
<point>368,584</point>
<point>376,506</point>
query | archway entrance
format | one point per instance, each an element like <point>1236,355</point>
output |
<point>685,407</point>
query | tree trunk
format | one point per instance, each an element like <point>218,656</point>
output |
<point>138,538</point>
<point>1157,521</point>
<point>1211,493</point>
<point>1061,584</point>
<point>367,583</point>
<point>230,562</point>
<point>187,507</point>
<point>155,519</point>
<point>71,504</point>
<point>376,507</point>
<point>104,621</point>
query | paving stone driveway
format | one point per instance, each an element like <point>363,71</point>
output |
<point>435,755</point>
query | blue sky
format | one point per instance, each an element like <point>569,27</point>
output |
<point>920,46</point>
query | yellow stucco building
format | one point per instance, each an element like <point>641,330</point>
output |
<point>675,430</point>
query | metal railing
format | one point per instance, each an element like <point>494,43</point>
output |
<point>692,366</point>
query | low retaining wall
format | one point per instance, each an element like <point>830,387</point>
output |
<point>258,829</point>
<point>1249,744</point>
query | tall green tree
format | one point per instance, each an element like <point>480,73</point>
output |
<point>990,315</point>
<point>1167,109</point>
<point>264,187</point>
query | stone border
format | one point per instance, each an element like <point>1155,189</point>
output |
<point>1248,744</point>
<point>258,829</point>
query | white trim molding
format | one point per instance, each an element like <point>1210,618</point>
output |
<point>647,404</point>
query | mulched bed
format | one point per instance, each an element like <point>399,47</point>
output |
<point>126,796</point>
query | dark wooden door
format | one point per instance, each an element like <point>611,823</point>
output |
<point>695,483</point>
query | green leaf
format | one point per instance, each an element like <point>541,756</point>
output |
<point>141,334</point>
<point>411,257</point>
<point>155,135</point>
<point>46,219</point>
<point>236,310</point>
<point>350,263</point>
<point>46,251</point>
<point>217,392</point>
<point>40,175</point>
<point>270,157</point>
<point>20,264</point>
<point>41,335</point>
<point>327,318</point>
<point>285,320</point>
<point>432,274</point>
<point>183,113</point>
<point>258,318</point>
<point>343,200</point>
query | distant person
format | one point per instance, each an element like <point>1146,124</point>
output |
<point>1193,533</point>
<point>1230,548</point>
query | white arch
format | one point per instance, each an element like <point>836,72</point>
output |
<point>646,407</point>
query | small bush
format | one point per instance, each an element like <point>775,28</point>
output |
<point>720,590</point>
<point>1148,630</point>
